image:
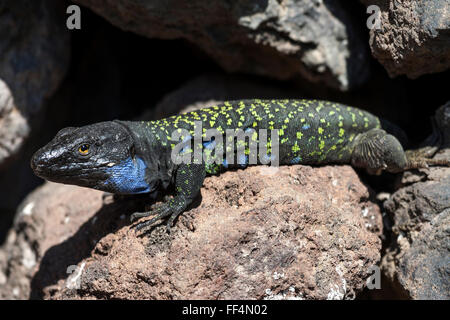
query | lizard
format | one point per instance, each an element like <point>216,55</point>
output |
<point>136,157</point>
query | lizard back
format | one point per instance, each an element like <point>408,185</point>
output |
<point>310,131</point>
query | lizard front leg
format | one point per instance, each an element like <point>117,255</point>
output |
<point>188,181</point>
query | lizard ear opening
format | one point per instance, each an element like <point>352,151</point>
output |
<point>132,152</point>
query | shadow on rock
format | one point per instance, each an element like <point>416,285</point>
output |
<point>58,259</point>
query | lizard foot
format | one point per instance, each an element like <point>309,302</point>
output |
<point>151,210</point>
<point>417,163</point>
<point>160,211</point>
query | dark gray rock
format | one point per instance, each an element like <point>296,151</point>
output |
<point>414,38</point>
<point>279,39</point>
<point>32,64</point>
<point>418,259</point>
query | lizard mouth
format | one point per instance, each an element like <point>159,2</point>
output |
<point>44,168</point>
<point>48,168</point>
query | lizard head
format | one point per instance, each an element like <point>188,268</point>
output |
<point>100,156</point>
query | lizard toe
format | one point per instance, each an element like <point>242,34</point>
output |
<point>159,214</point>
<point>137,215</point>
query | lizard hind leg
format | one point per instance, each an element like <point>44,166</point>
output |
<point>417,159</point>
<point>421,157</point>
<point>376,150</point>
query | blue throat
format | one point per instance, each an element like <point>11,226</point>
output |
<point>128,177</point>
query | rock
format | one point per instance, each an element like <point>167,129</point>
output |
<point>32,64</point>
<point>279,39</point>
<point>414,36</point>
<point>39,226</point>
<point>417,260</point>
<point>295,232</point>
<point>13,126</point>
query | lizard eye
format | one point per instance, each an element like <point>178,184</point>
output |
<point>84,149</point>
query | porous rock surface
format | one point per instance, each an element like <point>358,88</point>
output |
<point>261,233</point>
<point>413,38</point>
<point>279,39</point>
<point>417,260</point>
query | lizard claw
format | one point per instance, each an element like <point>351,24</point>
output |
<point>147,223</point>
<point>160,213</point>
<point>153,209</point>
<point>138,215</point>
<point>168,227</point>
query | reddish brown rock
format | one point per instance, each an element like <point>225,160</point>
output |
<point>48,217</point>
<point>299,232</point>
